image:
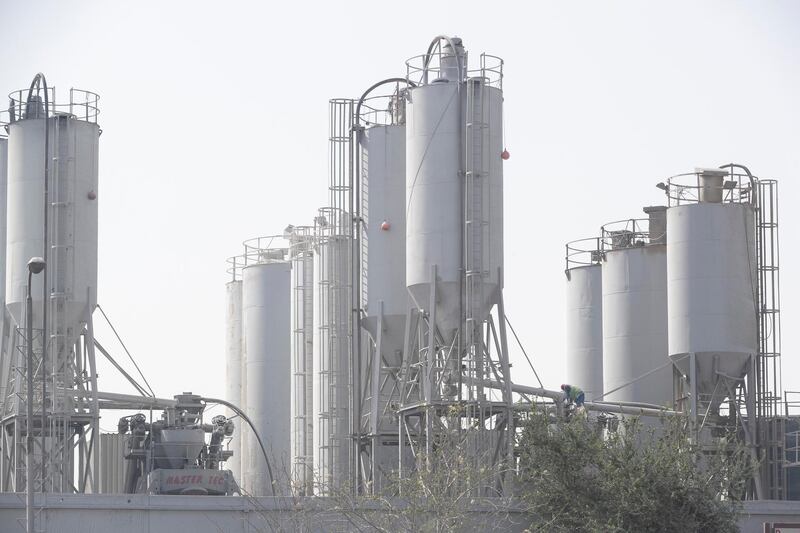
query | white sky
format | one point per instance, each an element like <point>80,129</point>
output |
<point>214,118</point>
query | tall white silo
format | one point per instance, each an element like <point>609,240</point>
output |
<point>72,217</point>
<point>267,333</point>
<point>332,392</point>
<point>233,368</point>
<point>301,253</point>
<point>387,301</point>
<point>584,317</point>
<point>5,368</point>
<point>440,114</point>
<point>3,217</point>
<point>635,363</point>
<point>712,284</point>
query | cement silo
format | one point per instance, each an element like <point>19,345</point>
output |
<point>3,217</point>
<point>383,244</point>
<point>584,317</point>
<point>72,215</point>
<point>443,175</point>
<point>712,280</point>
<point>234,363</point>
<point>635,363</point>
<point>266,290</point>
<point>333,391</point>
<point>301,254</point>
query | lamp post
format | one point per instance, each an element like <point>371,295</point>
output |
<point>35,265</point>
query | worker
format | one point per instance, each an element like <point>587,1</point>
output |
<point>574,396</point>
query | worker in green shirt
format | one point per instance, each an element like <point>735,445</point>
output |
<point>574,395</point>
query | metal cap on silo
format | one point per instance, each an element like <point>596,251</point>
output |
<point>657,229</point>
<point>710,183</point>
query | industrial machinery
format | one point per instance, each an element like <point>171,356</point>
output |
<point>171,456</point>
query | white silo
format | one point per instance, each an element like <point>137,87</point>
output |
<point>301,253</point>
<point>387,303</point>
<point>635,363</point>
<point>3,217</point>
<point>443,175</point>
<point>712,283</point>
<point>267,333</point>
<point>71,250</point>
<point>584,318</point>
<point>332,394</point>
<point>233,369</point>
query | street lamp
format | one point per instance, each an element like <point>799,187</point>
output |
<point>35,265</point>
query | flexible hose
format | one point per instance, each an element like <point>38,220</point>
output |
<point>255,432</point>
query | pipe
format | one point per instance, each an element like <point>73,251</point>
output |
<point>753,180</point>
<point>239,412</point>
<point>372,88</point>
<point>429,55</point>
<point>623,408</point>
<point>132,399</point>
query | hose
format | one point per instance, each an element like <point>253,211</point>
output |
<point>255,432</point>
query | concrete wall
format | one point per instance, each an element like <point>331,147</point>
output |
<point>142,513</point>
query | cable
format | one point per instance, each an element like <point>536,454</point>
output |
<point>153,394</point>
<point>631,382</point>
<point>255,432</point>
<point>523,350</point>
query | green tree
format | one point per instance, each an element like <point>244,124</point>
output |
<point>580,477</point>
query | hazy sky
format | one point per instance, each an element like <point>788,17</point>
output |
<point>214,118</point>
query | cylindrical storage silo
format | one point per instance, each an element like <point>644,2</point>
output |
<point>453,141</point>
<point>3,217</point>
<point>434,197</point>
<point>584,325</point>
<point>233,368</point>
<point>72,219</point>
<point>302,364</point>
<point>712,287</point>
<point>332,348</point>
<point>267,333</point>
<point>383,164</point>
<point>634,278</point>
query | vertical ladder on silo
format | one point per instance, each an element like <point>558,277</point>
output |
<point>768,394</point>
<point>475,224</point>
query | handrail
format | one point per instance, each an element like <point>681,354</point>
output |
<point>628,233</point>
<point>687,188</point>
<point>583,252</point>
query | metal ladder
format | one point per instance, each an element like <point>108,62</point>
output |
<point>768,383</point>
<point>475,224</point>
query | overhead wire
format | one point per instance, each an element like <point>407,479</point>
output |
<point>153,394</point>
